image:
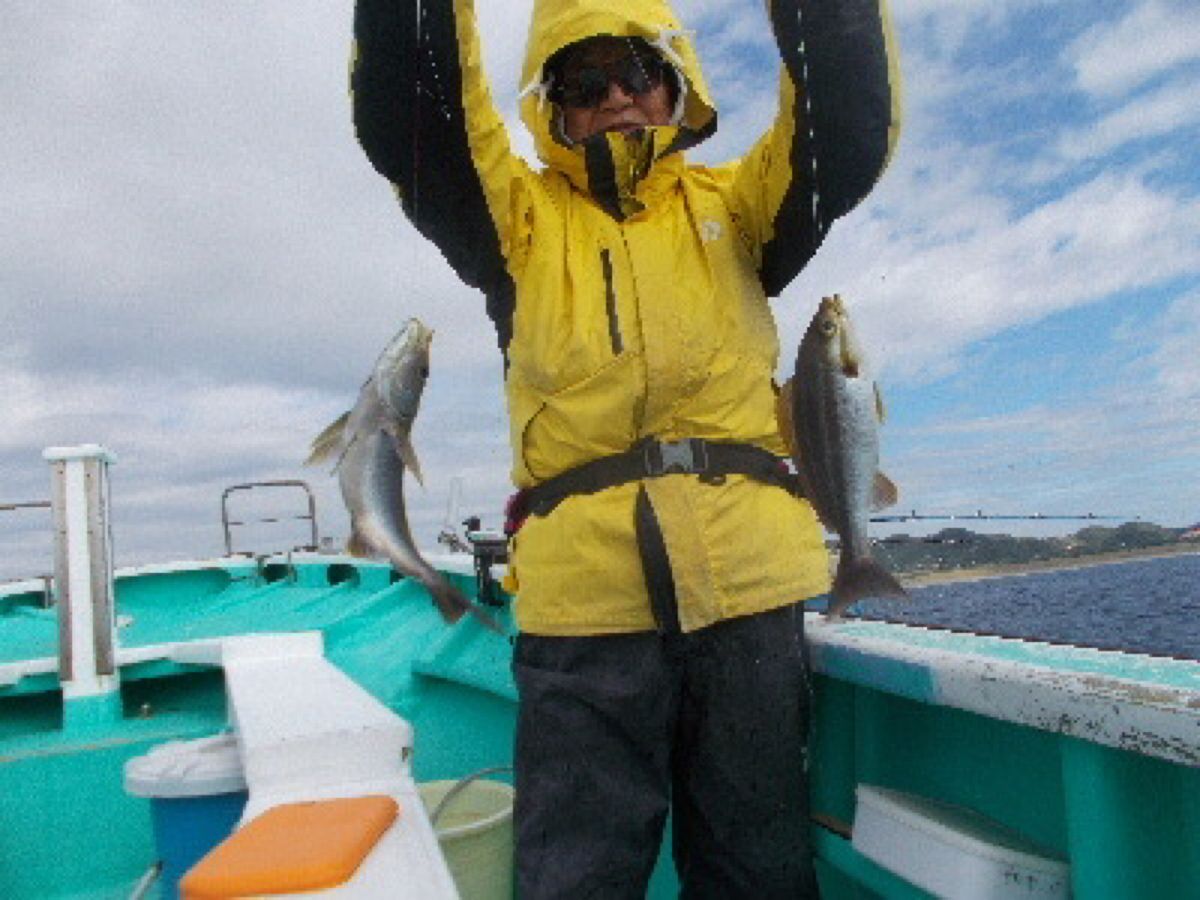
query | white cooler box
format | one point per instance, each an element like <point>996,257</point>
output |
<point>953,852</point>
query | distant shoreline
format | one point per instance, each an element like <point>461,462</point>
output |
<point>979,573</point>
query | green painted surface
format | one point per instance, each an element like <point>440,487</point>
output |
<point>1130,824</point>
<point>1132,827</point>
<point>902,677</point>
<point>1006,772</point>
<point>30,629</point>
<point>67,828</point>
<point>99,713</point>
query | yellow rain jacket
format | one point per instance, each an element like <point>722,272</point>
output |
<point>629,288</point>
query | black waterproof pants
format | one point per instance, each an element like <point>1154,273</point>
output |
<point>612,731</point>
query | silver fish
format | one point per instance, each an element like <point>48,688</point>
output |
<point>830,411</point>
<point>373,446</point>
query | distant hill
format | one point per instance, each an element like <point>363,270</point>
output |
<point>961,548</point>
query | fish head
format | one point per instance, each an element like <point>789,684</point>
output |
<point>402,370</point>
<point>831,334</point>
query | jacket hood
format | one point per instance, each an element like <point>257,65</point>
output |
<point>557,23</point>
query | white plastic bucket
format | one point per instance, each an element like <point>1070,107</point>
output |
<point>475,831</point>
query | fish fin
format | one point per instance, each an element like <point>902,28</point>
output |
<point>859,579</point>
<point>783,415</point>
<point>329,441</point>
<point>404,449</point>
<point>453,604</point>
<point>357,545</point>
<point>880,409</point>
<point>884,493</point>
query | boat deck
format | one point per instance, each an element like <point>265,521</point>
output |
<point>61,775</point>
<point>160,607</point>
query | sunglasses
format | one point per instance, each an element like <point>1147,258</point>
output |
<point>587,86</point>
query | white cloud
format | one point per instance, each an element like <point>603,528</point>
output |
<point>1167,110</point>
<point>941,28</point>
<point>1124,449</point>
<point>200,264</point>
<point>1175,361</point>
<point>1154,37</point>
<point>1115,452</point>
<point>937,261</point>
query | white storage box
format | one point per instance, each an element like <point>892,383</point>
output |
<point>953,852</point>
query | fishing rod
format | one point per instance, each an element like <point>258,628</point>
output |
<point>980,515</point>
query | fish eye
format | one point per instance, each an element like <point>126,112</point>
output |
<point>828,327</point>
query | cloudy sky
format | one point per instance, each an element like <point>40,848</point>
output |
<point>198,266</point>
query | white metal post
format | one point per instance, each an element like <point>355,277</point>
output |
<point>83,574</point>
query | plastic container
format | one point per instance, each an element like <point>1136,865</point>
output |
<point>953,852</point>
<point>197,792</point>
<point>475,832</point>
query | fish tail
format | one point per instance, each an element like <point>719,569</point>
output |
<point>453,604</point>
<point>858,579</point>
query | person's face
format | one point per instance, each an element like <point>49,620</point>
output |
<point>605,86</point>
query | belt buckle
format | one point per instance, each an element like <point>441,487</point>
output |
<point>685,457</point>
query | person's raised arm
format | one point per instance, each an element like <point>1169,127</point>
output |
<point>424,115</point>
<point>837,124</point>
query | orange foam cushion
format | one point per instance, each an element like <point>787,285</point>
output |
<point>296,847</point>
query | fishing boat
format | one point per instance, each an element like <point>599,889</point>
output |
<point>941,763</point>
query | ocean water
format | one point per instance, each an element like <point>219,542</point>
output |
<point>1147,606</point>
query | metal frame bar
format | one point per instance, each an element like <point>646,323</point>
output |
<point>311,517</point>
<point>99,538</point>
<point>27,504</point>
<point>62,580</point>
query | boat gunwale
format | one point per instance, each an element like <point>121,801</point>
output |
<point>970,672</point>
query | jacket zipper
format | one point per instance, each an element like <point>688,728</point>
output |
<point>610,303</point>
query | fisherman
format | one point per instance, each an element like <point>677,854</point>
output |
<point>664,558</point>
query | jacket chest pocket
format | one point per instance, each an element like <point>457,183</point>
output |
<point>571,317</point>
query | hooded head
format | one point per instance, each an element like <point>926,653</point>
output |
<point>557,24</point>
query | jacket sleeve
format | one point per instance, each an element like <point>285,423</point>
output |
<point>424,115</point>
<point>837,124</point>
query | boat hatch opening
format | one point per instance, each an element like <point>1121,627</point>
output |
<point>342,573</point>
<point>310,516</point>
<point>278,572</point>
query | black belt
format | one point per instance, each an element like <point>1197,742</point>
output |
<point>650,458</point>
